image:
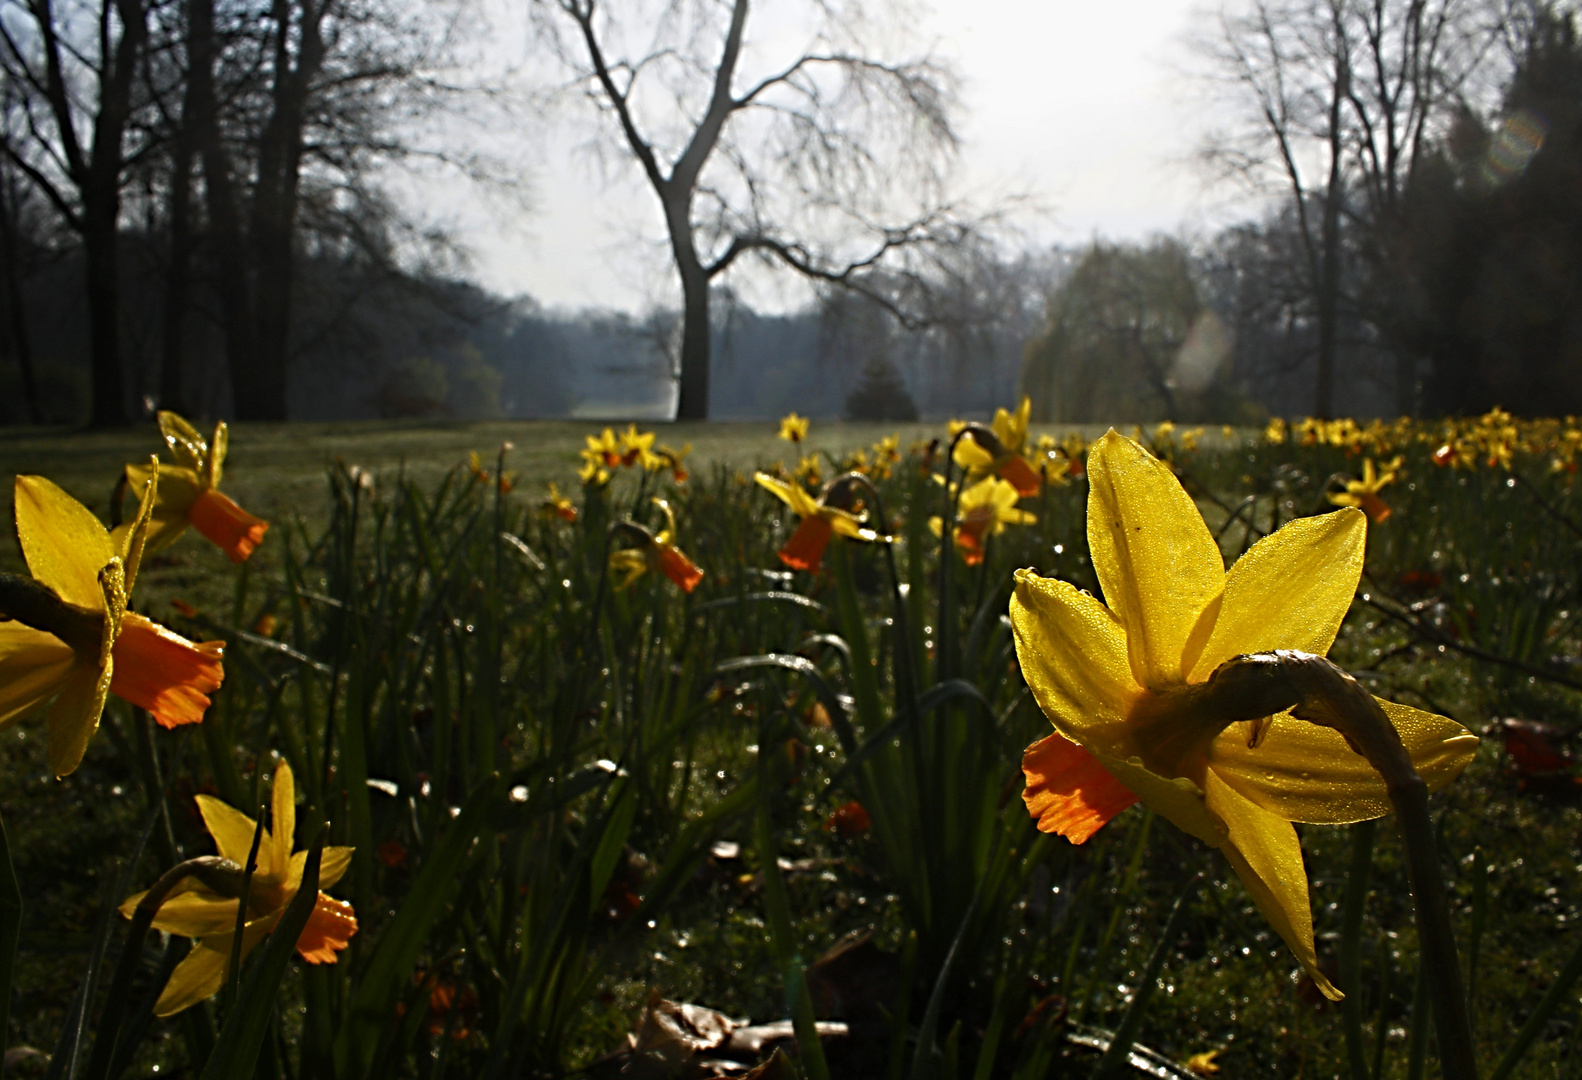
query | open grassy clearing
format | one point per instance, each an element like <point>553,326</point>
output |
<point>439,618</point>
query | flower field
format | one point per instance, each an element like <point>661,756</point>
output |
<point>948,752</point>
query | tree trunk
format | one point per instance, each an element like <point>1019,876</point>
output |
<point>16,313</point>
<point>693,402</point>
<point>227,244</point>
<point>275,212</point>
<point>1329,273</point>
<point>104,308</point>
<point>173,353</point>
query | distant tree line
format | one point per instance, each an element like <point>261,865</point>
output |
<point>191,215</point>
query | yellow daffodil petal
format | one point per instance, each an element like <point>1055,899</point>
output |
<point>1304,772</point>
<point>198,914</point>
<point>209,960</point>
<point>332,867</point>
<point>131,542</point>
<point>848,524</point>
<point>178,489</point>
<point>969,455</point>
<point>33,665</point>
<point>218,447</point>
<point>75,715</point>
<point>1263,849</point>
<point>1177,800</point>
<point>1072,651</point>
<point>232,830</point>
<point>197,978</point>
<point>1291,590</point>
<point>1156,562</point>
<point>64,545</point>
<point>283,826</point>
<point>802,504</point>
<point>186,445</point>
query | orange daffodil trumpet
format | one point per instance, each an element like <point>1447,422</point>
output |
<point>90,645</point>
<point>189,493</point>
<point>1364,493</point>
<point>656,554</point>
<point>1000,455</point>
<point>200,909</point>
<point>985,509</point>
<point>1106,675</point>
<point>820,521</point>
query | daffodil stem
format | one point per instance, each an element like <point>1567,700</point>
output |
<point>35,604</point>
<point>1252,687</point>
<point>206,867</point>
<point>1357,879</point>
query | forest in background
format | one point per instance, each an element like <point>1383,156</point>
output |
<point>1419,250</point>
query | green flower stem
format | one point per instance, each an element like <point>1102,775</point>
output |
<point>212,870</point>
<point>1362,835</point>
<point>1257,686</point>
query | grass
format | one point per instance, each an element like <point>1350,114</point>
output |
<point>575,888</point>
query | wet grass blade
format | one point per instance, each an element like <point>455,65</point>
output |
<point>242,1036</point>
<point>1119,1054</point>
<point>10,934</point>
<point>1558,994</point>
<point>403,937</point>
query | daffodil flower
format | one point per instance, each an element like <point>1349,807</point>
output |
<point>1364,494</point>
<point>985,509</point>
<point>668,457</point>
<point>504,481</point>
<point>121,652</point>
<point>557,505</point>
<point>655,554</point>
<point>1007,461</point>
<point>196,909</point>
<point>602,449</point>
<point>638,449</point>
<point>793,428</point>
<point>189,493</point>
<point>820,521</point>
<point>1104,673</point>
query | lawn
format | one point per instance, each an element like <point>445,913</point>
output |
<point>783,793</point>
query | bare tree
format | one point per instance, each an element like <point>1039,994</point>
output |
<point>829,159</point>
<point>76,70</point>
<point>1339,101</point>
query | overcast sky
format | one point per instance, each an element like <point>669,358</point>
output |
<point>1080,105</point>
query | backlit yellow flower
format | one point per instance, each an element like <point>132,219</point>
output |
<point>557,505</point>
<point>196,910</point>
<point>637,448</point>
<point>1364,493</point>
<point>793,428</point>
<point>602,449</point>
<point>805,549</point>
<point>1103,673</point>
<point>655,554</point>
<point>1011,431</point>
<point>668,457</point>
<point>189,493</point>
<point>505,481</point>
<point>985,509</point>
<point>119,652</point>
